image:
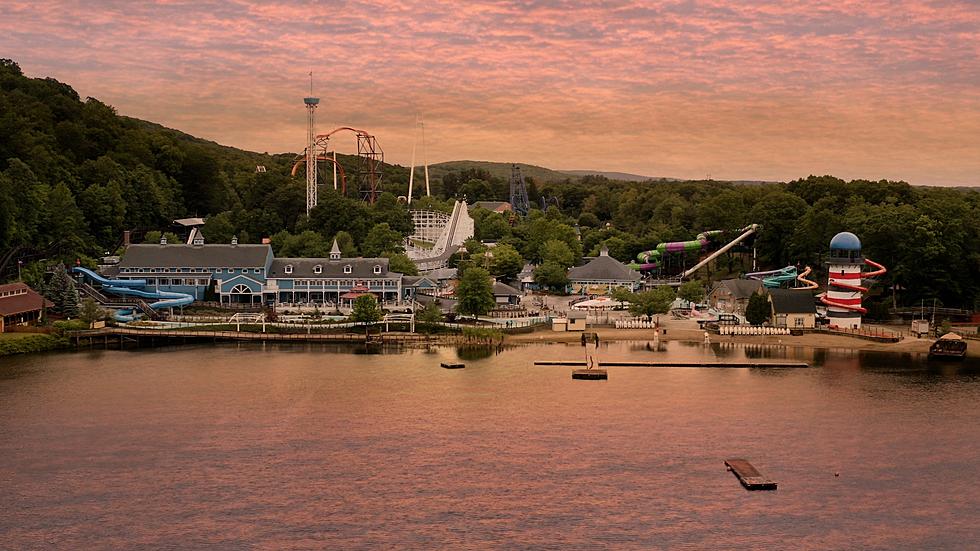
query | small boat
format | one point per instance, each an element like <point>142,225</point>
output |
<point>948,347</point>
<point>452,366</point>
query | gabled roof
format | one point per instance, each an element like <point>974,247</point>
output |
<point>195,256</point>
<point>791,301</point>
<point>496,206</point>
<point>740,288</point>
<point>504,290</point>
<point>304,268</point>
<point>21,299</point>
<point>603,268</point>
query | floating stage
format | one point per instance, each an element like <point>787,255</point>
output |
<point>452,366</point>
<point>750,478</point>
<point>590,374</point>
<point>784,365</point>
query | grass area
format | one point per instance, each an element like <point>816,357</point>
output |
<point>24,343</point>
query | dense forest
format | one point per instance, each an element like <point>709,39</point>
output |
<point>74,174</point>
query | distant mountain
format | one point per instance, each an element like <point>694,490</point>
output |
<point>624,176</point>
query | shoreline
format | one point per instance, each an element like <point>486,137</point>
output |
<point>677,331</point>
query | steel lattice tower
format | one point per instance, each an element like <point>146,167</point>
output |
<point>519,202</point>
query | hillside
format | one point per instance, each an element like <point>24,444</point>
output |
<point>500,170</point>
<point>620,176</point>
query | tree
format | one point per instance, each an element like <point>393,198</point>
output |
<point>90,312</point>
<point>475,292</point>
<point>366,310</point>
<point>62,292</point>
<point>507,262</point>
<point>558,252</point>
<point>552,275</point>
<point>691,291</point>
<point>653,302</point>
<point>153,237</point>
<point>382,239</point>
<point>400,263</point>
<point>431,313</point>
<point>758,310</point>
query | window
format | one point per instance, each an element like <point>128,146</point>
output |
<point>318,269</point>
<point>347,269</point>
<point>377,269</point>
<point>218,270</point>
<point>258,271</point>
<point>288,269</point>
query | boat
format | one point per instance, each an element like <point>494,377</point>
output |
<point>948,347</point>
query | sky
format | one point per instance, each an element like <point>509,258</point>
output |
<point>755,90</point>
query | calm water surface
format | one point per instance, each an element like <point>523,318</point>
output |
<point>264,447</point>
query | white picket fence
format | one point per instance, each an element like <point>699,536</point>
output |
<point>635,324</point>
<point>751,330</point>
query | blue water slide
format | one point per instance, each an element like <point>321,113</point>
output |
<point>105,282</point>
<point>165,299</point>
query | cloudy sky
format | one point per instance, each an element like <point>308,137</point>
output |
<point>745,90</point>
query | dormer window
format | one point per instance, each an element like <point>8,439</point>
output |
<point>377,269</point>
<point>288,269</point>
<point>318,269</point>
<point>347,269</point>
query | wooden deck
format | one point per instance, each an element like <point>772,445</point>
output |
<point>777,364</point>
<point>748,475</point>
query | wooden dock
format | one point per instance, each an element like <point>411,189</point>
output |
<point>778,364</point>
<point>590,374</point>
<point>748,475</point>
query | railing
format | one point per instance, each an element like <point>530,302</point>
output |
<point>751,330</point>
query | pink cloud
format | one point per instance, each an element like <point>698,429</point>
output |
<point>764,89</point>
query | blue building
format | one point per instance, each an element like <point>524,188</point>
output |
<point>250,274</point>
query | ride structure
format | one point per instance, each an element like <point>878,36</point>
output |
<point>774,279</point>
<point>648,261</point>
<point>519,202</point>
<point>844,286</point>
<point>134,288</point>
<point>370,158</point>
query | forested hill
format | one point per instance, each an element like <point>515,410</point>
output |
<point>74,175</point>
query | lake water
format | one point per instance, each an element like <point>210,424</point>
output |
<point>234,447</point>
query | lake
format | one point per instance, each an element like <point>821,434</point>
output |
<point>283,447</point>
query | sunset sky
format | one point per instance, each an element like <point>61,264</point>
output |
<point>743,90</point>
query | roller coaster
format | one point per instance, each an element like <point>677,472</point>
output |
<point>370,161</point>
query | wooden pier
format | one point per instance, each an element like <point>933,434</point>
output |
<point>606,363</point>
<point>123,337</point>
<point>750,478</point>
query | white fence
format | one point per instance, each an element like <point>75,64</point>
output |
<point>751,330</point>
<point>635,324</point>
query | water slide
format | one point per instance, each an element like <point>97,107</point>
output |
<point>135,283</point>
<point>879,270</point>
<point>135,288</point>
<point>773,279</point>
<point>808,284</point>
<point>649,260</point>
<point>746,232</point>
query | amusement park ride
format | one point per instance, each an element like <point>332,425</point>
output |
<point>369,154</point>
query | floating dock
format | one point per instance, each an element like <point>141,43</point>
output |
<point>590,374</point>
<point>452,366</point>
<point>750,478</point>
<point>779,364</point>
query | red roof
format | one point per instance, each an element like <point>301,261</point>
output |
<point>20,299</point>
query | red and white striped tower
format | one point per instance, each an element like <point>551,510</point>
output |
<point>843,297</point>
